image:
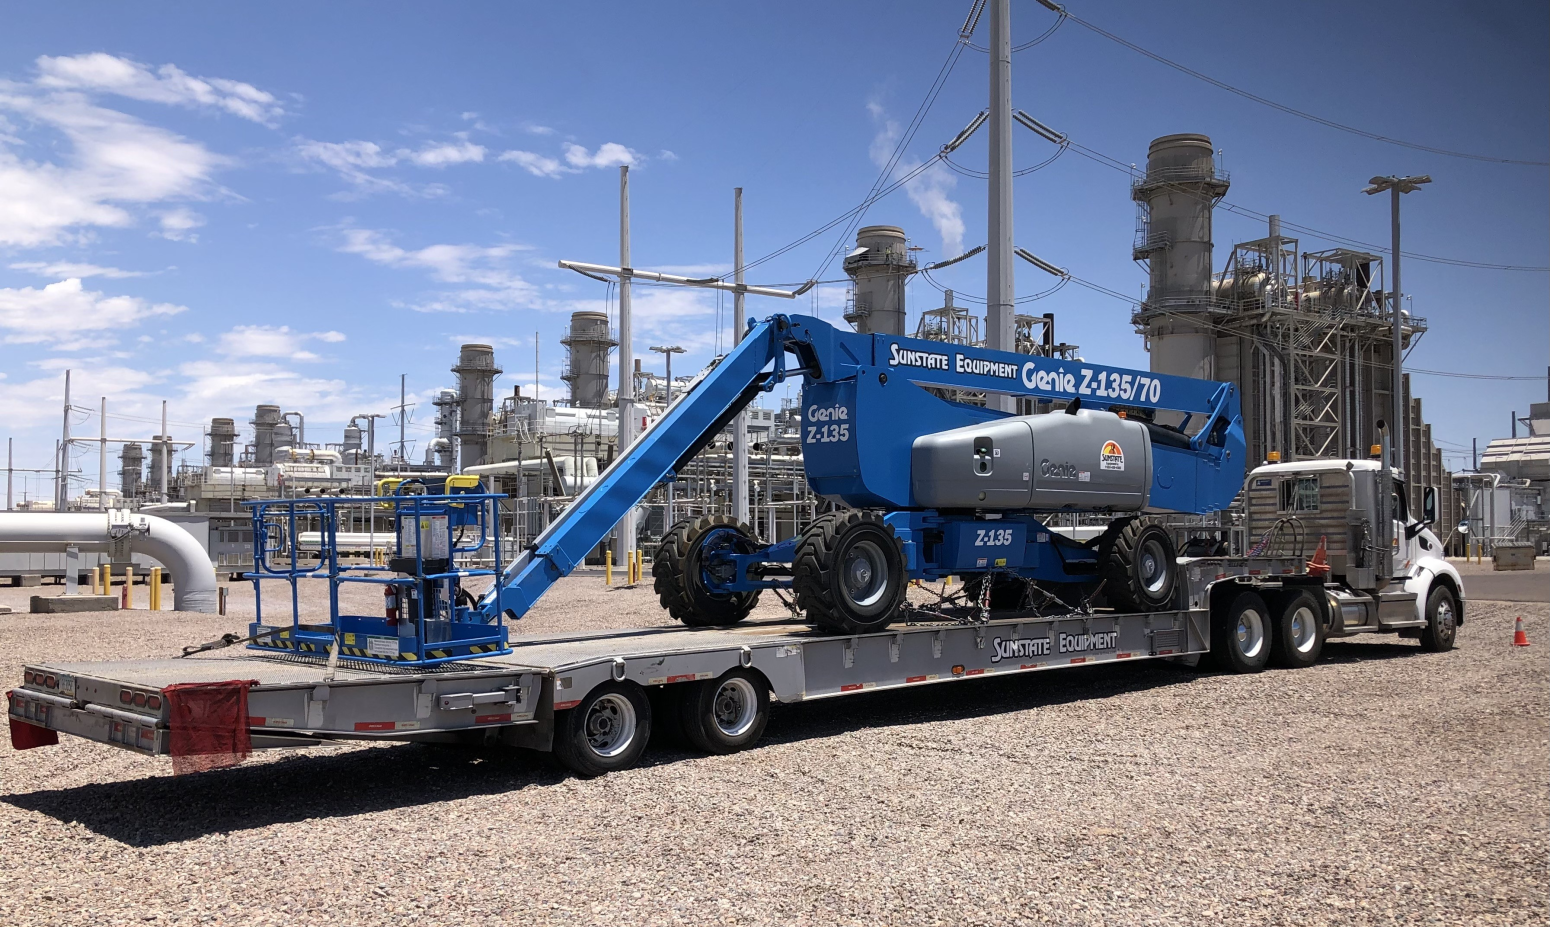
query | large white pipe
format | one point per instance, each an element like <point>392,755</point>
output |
<point>193,587</point>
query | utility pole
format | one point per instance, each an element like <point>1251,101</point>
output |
<point>667,351</point>
<point>535,365</point>
<point>10,472</point>
<point>1000,289</point>
<point>1398,186</point>
<point>102,459</point>
<point>403,418</point>
<point>740,423</point>
<point>166,450</point>
<point>62,456</point>
<point>624,540</point>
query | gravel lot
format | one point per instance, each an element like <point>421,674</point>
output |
<point>1384,786</point>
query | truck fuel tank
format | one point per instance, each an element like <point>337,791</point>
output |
<point>1086,460</point>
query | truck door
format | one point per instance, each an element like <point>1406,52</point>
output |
<point>1403,547</point>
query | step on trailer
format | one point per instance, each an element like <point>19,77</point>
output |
<point>930,487</point>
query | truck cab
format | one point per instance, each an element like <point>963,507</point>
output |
<point>1387,568</point>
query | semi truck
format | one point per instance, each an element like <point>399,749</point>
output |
<point>927,481</point>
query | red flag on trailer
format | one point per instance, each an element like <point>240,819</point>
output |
<point>208,724</point>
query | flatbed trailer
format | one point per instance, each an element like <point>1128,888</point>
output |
<point>601,690</point>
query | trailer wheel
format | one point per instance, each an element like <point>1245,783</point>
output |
<point>680,571</point>
<point>606,732</point>
<point>848,573</point>
<point>1240,634</point>
<point>1441,620</point>
<point>1299,631</point>
<point>727,714</point>
<point>1139,565</point>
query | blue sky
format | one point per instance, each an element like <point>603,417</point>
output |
<point>225,205</point>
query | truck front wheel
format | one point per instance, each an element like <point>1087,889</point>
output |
<point>1442,625</point>
<point>1240,634</point>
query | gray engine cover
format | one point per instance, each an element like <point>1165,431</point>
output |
<point>1090,460</point>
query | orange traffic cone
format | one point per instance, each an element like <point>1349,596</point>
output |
<point>1319,565</point>
<point>1519,639</point>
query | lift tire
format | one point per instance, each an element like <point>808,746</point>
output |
<point>1299,630</point>
<point>726,714</point>
<point>607,732</point>
<point>1240,633</point>
<point>1138,565</point>
<point>848,572</point>
<point>678,577</point>
<point>1442,628</point>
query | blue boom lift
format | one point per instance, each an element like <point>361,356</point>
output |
<point>930,487</point>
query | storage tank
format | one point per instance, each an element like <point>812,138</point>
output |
<point>131,469</point>
<point>265,419</point>
<point>223,437</point>
<point>1179,190</point>
<point>351,446</point>
<point>879,267</point>
<point>284,436</point>
<point>476,372</point>
<point>586,368</point>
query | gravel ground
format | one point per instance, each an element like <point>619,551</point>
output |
<point>1384,786</point>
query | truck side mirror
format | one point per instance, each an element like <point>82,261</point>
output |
<point>1429,505</point>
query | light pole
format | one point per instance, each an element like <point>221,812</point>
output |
<point>667,351</point>
<point>1397,186</point>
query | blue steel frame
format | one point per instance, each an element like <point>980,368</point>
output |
<point>463,631</point>
<point>878,381</point>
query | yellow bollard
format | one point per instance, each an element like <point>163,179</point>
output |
<point>129,586</point>
<point>608,567</point>
<point>155,589</point>
<point>94,580</point>
<point>635,563</point>
<point>107,579</point>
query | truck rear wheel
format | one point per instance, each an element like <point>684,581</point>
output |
<point>1240,634</point>
<point>848,573</point>
<point>682,570</point>
<point>1299,631</point>
<point>1139,565</point>
<point>1442,625</point>
<point>727,714</point>
<point>606,732</point>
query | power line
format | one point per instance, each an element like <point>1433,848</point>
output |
<point>1115,164</point>
<point>1469,376</point>
<point>1301,114</point>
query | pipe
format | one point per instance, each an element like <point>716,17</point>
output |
<point>157,538</point>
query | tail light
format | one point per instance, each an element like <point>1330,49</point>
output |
<point>153,702</point>
<point>50,681</point>
<point>125,696</point>
<point>139,699</point>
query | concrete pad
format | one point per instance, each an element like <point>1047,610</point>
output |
<point>60,604</point>
<point>30,579</point>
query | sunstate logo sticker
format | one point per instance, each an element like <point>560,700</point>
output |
<point>1112,457</point>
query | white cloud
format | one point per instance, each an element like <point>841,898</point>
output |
<point>533,129</point>
<point>112,160</point>
<point>461,152</point>
<point>489,283</point>
<point>930,191</point>
<point>608,154</point>
<point>536,164</point>
<point>68,317</point>
<point>666,155</point>
<point>169,84</point>
<point>179,224</point>
<point>62,269</point>
<point>272,341</point>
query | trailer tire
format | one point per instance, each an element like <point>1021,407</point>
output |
<point>1441,620</point>
<point>1299,631</point>
<point>848,572</point>
<point>1139,565</point>
<point>678,574</point>
<point>726,714</point>
<point>607,732</point>
<point>1240,634</point>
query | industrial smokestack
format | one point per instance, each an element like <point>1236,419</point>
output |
<point>223,436</point>
<point>265,418</point>
<point>586,369</point>
<point>1177,194</point>
<point>131,470</point>
<point>879,267</point>
<point>445,444</point>
<point>476,372</point>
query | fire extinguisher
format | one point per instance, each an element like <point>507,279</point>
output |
<point>390,599</point>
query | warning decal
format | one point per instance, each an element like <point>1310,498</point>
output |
<point>1112,457</point>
